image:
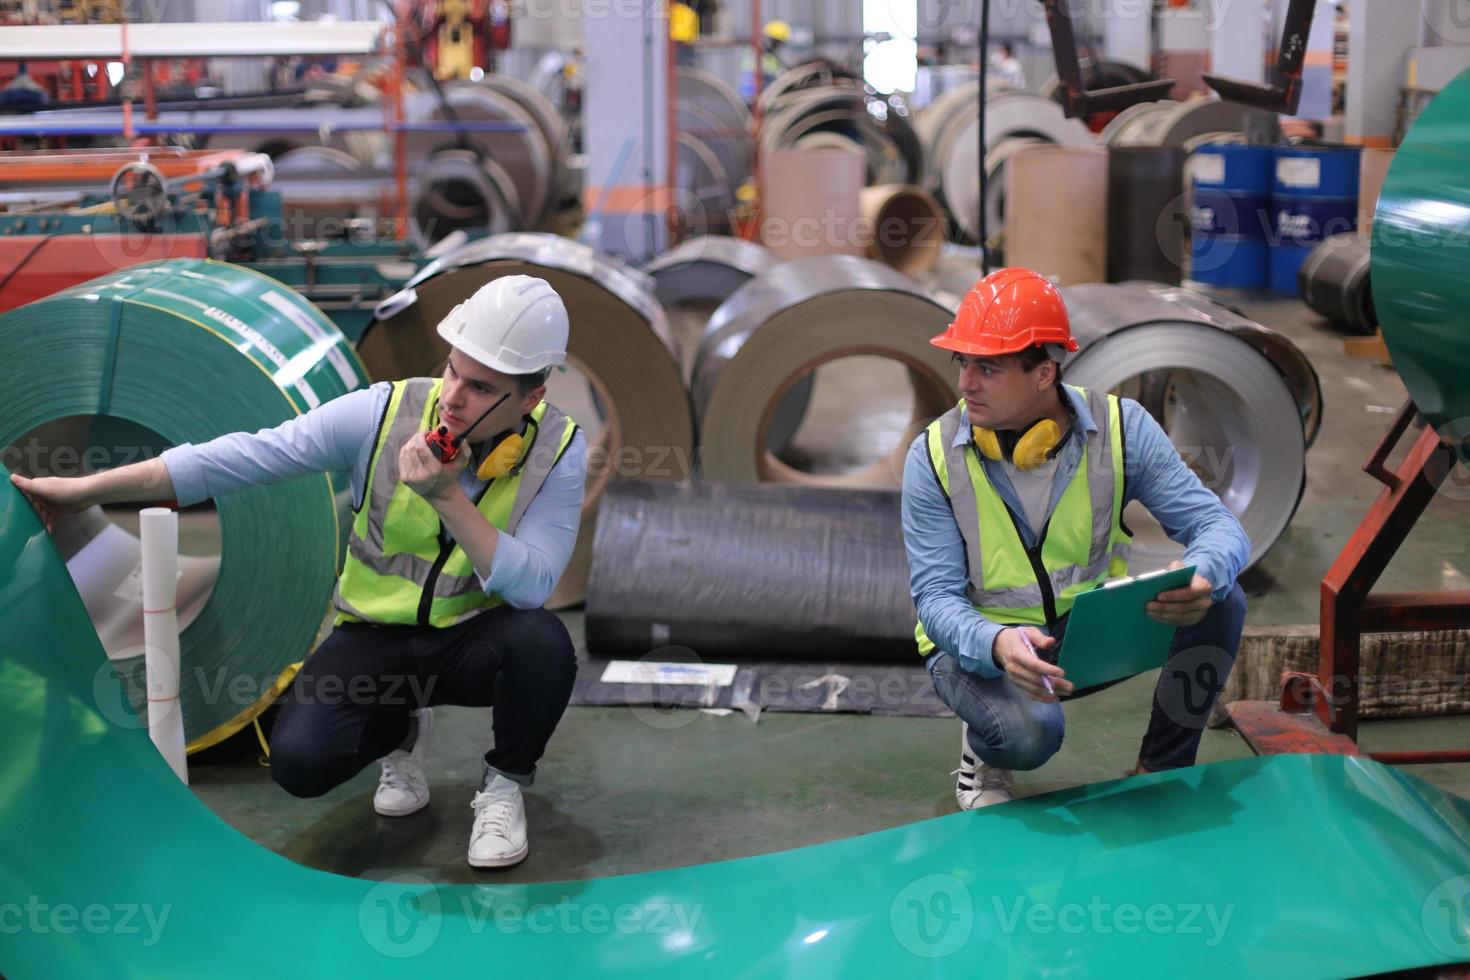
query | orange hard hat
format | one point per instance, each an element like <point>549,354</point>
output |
<point>1005,313</point>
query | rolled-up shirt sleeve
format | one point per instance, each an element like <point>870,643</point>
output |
<point>334,437</point>
<point>938,569</point>
<point>528,564</point>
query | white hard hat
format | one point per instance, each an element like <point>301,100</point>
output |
<point>515,325</point>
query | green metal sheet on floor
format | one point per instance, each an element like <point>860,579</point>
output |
<point>1309,866</point>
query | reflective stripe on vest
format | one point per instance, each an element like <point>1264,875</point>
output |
<point>394,551</point>
<point>1082,544</point>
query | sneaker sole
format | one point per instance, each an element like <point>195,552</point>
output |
<point>383,812</point>
<point>501,862</point>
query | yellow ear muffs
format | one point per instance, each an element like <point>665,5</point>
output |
<point>1031,450</point>
<point>502,459</point>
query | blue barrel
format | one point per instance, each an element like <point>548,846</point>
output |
<point>1314,196</point>
<point>1231,216</point>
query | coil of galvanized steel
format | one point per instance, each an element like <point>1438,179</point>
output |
<point>620,342</point>
<point>1334,282</point>
<point>879,127</point>
<point>457,191</point>
<point>1170,123</point>
<point>710,113</point>
<point>724,568</point>
<point>1014,119</point>
<point>776,329</point>
<point>1221,400</point>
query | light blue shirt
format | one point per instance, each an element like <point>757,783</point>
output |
<point>339,436</point>
<point>1155,475</point>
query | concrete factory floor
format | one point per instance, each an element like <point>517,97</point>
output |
<point>617,795</point>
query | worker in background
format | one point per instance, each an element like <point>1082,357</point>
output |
<point>448,563</point>
<point>683,31</point>
<point>774,37</point>
<point>1006,67</point>
<point>1012,505</point>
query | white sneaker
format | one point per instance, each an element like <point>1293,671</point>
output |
<point>498,839</point>
<point>976,783</point>
<point>402,788</point>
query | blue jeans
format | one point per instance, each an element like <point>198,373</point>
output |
<point>1010,730</point>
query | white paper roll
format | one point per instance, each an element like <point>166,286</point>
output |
<point>159,528</point>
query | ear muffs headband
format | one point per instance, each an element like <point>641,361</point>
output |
<point>1033,448</point>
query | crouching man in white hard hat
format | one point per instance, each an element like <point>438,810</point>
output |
<point>448,562</point>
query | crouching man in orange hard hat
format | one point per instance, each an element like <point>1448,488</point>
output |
<point>1012,506</point>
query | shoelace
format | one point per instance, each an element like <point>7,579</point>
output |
<point>493,813</point>
<point>395,774</point>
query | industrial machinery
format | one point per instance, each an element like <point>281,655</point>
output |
<point>65,219</point>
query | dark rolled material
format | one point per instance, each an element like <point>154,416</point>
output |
<point>1335,282</point>
<point>1147,220</point>
<point>733,570</point>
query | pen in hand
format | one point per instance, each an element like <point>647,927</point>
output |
<point>1044,679</point>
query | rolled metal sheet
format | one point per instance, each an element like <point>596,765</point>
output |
<point>811,74</point>
<point>524,154</point>
<point>710,110</point>
<point>456,191</point>
<point>120,367</point>
<point>707,269</point>
<point>707,193</point>
<point>907,226</point>
<point>549,120</point>
<point>1218,397</point>
<point>727,568</point>
<point>1419,235</point>
<point>311,182</point>
<point>694,278</point>
<point>619,339</point>
<point>777,328</point>
<point>954,155</point>
<point>881,128</point>
<point>1396,855</point>
<point>1334,282</point>
<point>1169,123</point>
<point>1290,360</point>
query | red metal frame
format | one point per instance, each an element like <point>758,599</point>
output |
<point>1319,712</point>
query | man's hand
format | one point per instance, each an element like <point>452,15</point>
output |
<point>1024,668</point>
<point>425,475</point>
<point>53,496</point>
<point>1182,607</point>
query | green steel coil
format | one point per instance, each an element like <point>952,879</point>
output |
<point>163,354</point>
<point>1421,263</point>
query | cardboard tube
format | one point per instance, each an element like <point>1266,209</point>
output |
<point>906,224</point>
<point>160,533</point>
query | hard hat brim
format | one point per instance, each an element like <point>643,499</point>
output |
<point>946,342</point>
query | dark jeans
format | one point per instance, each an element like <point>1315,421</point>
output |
<point>1010,730</point>
<point>349,706</point>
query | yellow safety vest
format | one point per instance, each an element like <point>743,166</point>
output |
<point>400,569</point>
<point>1083,544</point>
